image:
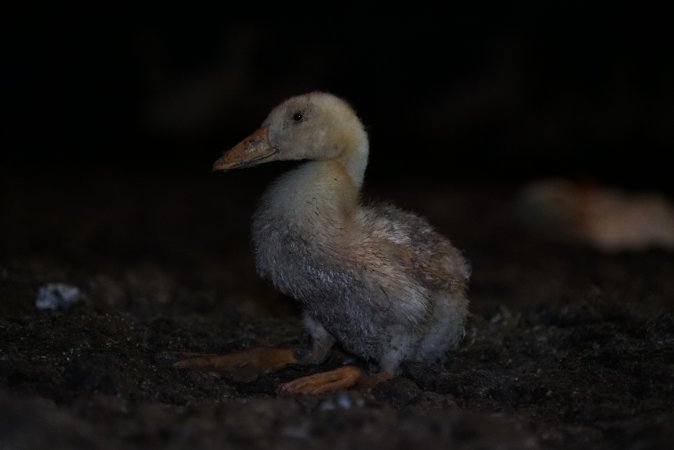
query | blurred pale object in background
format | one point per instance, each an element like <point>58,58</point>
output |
<point>607,218</point>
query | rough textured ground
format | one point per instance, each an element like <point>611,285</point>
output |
<point>566,347</point>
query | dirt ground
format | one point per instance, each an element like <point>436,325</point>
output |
<point>566,348</point>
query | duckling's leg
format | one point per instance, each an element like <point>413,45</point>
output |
<point>342,378</point>
<point>321,342</point>
<point>350,376</point>
<point>333,380</point>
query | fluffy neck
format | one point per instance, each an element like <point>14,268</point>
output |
<point>347,144</point>
<point>354,161</point>
<point>321,195</point>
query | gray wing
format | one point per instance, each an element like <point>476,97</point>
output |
<point>429,257</point>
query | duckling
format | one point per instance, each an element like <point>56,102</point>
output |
<point>375,279</point>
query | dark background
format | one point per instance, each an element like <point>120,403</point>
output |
<point>477,94</point>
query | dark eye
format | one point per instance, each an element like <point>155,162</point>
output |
<point>298,116</point>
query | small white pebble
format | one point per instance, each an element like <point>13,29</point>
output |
<point>342,400</point>
<point>55,296</point>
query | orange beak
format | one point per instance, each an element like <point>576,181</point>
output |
<point>253,150</point>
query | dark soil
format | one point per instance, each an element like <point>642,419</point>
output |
<point>567,347</point>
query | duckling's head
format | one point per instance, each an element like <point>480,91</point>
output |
<point>315,126</point>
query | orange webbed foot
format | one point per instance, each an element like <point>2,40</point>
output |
<point>242,366</point>
<point>320,383</point>
<point>345,377</point>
